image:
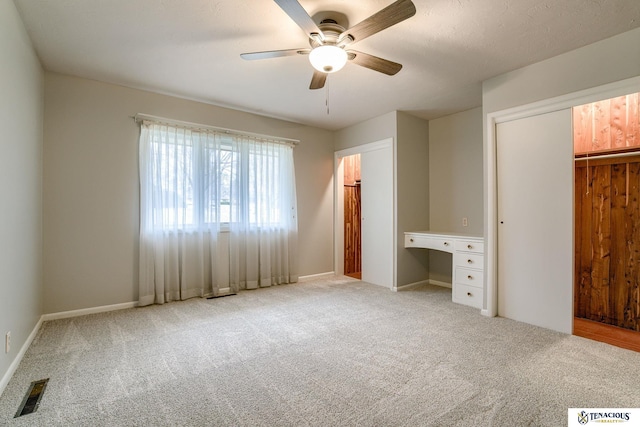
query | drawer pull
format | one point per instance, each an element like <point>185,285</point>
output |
<point>411,240</point>
<point>469,246</point>
<point>470,261</point>
<point>470,277</point>
<point>469,294</point>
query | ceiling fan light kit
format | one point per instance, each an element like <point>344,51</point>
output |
<point>328,58</point>
<point>330,42</point>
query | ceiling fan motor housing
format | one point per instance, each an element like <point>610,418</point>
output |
<point>331,31</point>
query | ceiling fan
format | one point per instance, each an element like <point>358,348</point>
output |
<point>330,42</point>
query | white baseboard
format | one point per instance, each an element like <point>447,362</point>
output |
<point>439,283</point>
<point>421,283</point>
<point>85,311</point>
<point>317,276</point>
<point>16,362</point>
<point>410,286</point>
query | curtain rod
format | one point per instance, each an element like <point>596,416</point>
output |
<point>139,117</point>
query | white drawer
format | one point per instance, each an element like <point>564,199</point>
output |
<point>469,246</point>
<point>467,295</point>
<point>426,242</point>
<point>469,277</point>
<point>469,260</point>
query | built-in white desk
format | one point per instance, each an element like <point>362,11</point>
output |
<point>467,281</point>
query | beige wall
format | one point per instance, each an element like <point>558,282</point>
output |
<point>455,181</point>
<point>412,195</point>
<point>21,116</point>
<point>91,186</point>
<point>372,130</point>
<point>455,172</point>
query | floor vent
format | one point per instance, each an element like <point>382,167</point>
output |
<point>220,296</point>
<point>32,398</point>
<point>223,292</point>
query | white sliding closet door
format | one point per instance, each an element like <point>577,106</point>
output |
<point>377,215</point>
<point>535,220</point>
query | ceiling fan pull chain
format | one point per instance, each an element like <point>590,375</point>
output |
<point>326,99</point>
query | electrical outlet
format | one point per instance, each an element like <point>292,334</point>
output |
<point>465,223</point>
<point>7,342</point>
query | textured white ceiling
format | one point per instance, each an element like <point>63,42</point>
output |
<point>192,49</point>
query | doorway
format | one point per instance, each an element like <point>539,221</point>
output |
<point>352,217</point>
<point>492,222</point>
<point>606,137</point>
<point>376,211</point>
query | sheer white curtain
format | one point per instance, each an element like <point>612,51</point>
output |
<point>263,225</point>
<point>218,213</point>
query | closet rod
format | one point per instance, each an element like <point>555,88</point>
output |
<point>608,156</point>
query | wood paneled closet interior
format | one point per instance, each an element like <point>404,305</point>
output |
<point>607,220</point>
<point>352,217</point>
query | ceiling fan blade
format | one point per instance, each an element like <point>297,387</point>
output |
<point>300,16</point>
<point>385,18</point>
<point>385,66</point>
<point>318,79</point>
<point>274,53</point>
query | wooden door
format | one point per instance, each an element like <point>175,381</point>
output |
<point>607,252</point>
<point>535,217</point>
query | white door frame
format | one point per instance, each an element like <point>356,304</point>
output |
<point>338,198</point>
<point>611,90</point>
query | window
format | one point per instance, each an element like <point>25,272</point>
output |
<point>195,181</point>
<point>202,179</point>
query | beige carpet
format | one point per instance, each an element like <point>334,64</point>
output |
<point>334,352</point>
